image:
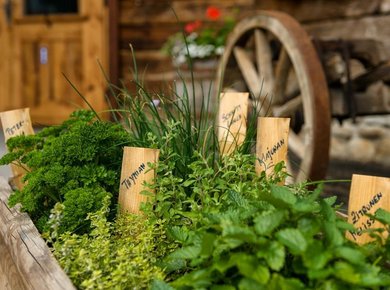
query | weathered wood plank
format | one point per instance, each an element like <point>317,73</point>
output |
<point>34,262</point>
<point>308,10</point>
<point>151,11</point>
<point>9,275</point>
<point>370,27</point>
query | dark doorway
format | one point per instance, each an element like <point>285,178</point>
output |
<point>34,7</point>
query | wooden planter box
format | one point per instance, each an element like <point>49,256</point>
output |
<point>25,260</point>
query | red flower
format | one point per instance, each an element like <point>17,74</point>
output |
<point>192,26</point>
<point>213,13</point>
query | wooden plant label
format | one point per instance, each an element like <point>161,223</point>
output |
<point>232,116</point>
<point>15,123</point>
<point>271,145</point>
<point>134,173</point>
<point>367,194</point>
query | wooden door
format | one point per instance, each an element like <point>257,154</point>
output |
<point>42,46</point>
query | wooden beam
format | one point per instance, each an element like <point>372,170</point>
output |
<point>113,36</point>
<point>34,262</point>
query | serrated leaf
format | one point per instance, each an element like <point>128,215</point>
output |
<point>315,256</point>
<point>274,255</point>
<point>160,285</point>
<point>261,274</point>
<point>198,279</point>
<point>320,274</point>
<point>171,265</point>
<point>292,239</point>
<point>346,272</point>
<point>249,284</point>
<point>328,212</point>
<point>237,198</point>
<point>383,216</point>
<point>189,252</point>
<point>244,234</point>
<point>331,285</point>
<point>346,226</point>
<point>279,282</point>
<point>189,182</point>
<point>207,244</point>
<point>333,234</point>
<point>283,194</point>
<point>178,234</point>
<point>266,223</point>
<point>331,200</point>
<point>353,256</point>
<point>223,265</point>
<point>305,205</point>
<point>222,287</point>
<point>309,226</point>
<point>249,267</point>
<point>375,279</point>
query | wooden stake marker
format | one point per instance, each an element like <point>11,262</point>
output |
<point>232,116</point>
<point>367,194</point>
<point>271,145</point>
<point>15,123</point>
<point>134,173</point>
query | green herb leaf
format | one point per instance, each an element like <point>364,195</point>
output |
<point>383,216</point>
<point>267,222</point>
<point>274,254</point>
<point>292,239</point>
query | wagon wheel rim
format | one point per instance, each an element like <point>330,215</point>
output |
<point>310,144</point>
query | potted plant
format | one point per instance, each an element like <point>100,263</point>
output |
<point>200,41</point>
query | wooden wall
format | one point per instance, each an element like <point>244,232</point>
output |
<point>147,24</point>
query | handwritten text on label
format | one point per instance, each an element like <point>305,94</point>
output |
<point>270,152</point>
<point>232,117</point>
<point>357,215</point>
<point>13,129</point>
<point>130,180</point>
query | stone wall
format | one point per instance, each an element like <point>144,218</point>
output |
<point>367,140</point>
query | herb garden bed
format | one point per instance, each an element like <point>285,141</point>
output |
<point>211,220</point>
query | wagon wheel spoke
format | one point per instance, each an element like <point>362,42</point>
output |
<point>263,56</point>
<point>296,144</point>
<point>248,70</point>
<point>281,76</point>
<point>251,77</point>
<point>289,168</point>
<point>288,108</point>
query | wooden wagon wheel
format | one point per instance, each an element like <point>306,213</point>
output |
<point>272,56</point>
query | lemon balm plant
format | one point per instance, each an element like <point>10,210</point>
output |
<point>200,40</point>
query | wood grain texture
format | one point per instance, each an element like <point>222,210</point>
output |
<point>135,171</point>
<point>271,144</point>
<point>232,117</point>
<point>367,194</point>
<point>34,263</point>
<point>15,123</point>
<point>9,275</point>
